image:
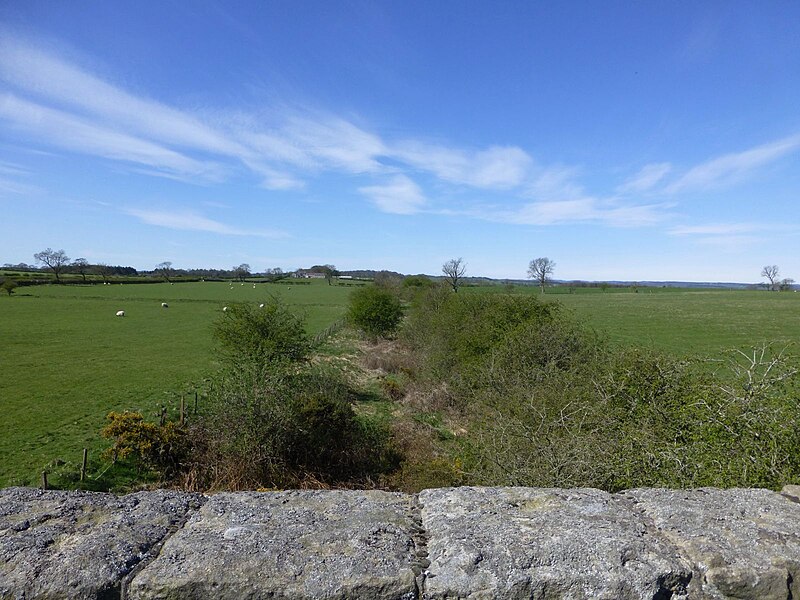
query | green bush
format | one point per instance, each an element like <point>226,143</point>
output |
<point>375,310</point>
<point>281,427</point>
<point>544,403</point>
<point>251,335</point>
<point>8,286</point>
<point>456,333</point>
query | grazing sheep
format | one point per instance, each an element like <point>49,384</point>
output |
<point>261,305</point>
<point>120,313</point>
<point>224,309</point>
<point>164,305</point>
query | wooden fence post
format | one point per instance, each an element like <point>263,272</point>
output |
<point>83,465</point>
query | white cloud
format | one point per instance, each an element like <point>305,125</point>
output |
<point>715,229</point>
<point>190,221</point>
<point>400,196</point>
<point>31,69</point>
<point>71,132</point>
<point>582,210</point>
<point>556,183</point>
<point>731,168</point>
<point>646,178</point>
<point>498,167</point>
<point>9,186</point>
<point>337,143</point>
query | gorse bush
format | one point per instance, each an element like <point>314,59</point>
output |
<point>375,310</point>
<point>159,448</point>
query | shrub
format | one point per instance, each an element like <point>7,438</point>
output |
<point>375,310</point>
<point>285,427</point>
<point>150,446</point>
<point>456,333</point>
<point>258,336</point>
<point>8,286</point>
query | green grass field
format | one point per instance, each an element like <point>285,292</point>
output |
<point>681,321</point>
<point>692,322</point>
<point>66,360</point>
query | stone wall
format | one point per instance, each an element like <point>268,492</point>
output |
<point>441,543</point>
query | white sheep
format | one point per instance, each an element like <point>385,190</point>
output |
<point>164,305</point>
<point>224,309</point>
<point>120,313</point>
<point>261,305</point>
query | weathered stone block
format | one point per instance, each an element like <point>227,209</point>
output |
<point>56,544</point>
<point>544,543</point>
<point>296,544</point>
<point>743,543</point>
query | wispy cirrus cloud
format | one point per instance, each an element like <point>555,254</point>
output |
<point>500,167</point>
<point>733,167</point>
<point>647,178</point>
<point>74,133</point>
<point>42,74</point>
<point>191,221</point>
<point>63,105</point>
<point>10,184</point>
<point>582,210</point>
<point>715,229</point>
<point>399,196</point>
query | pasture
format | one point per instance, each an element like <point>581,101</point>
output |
<point>66,360</point>
<point>691,322</point>
<point>681,321</point>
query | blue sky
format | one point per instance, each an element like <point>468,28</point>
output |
<point>630,141</point>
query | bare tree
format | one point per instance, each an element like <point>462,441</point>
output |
<point>164,269</point>
<point>540,270</point>
<point>104,271</point>
<point>330,272</point>
<point>56,261</point>
<point>242,271</point>
<point>771,272</point>
<point>454,270</point>
<point>786,284</point>
<point>81,265</point>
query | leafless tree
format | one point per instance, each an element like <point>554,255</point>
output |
<point>104,271</point>
<point>56,261</point>
<point>771,272</point>
<point>454,270</point>
<point>164,269</point>
<point>330,272</point>
<point>242,271</point>
<point>540,270</point>
<point>81,265</point>
<point>786,284</point>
